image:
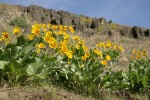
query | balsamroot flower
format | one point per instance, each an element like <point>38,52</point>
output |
<point>5,35</point>
<point>104,62</point>
<point>41,45</point>
<point>69,54</point>
<point>108,57</point>
<point>16,30</point>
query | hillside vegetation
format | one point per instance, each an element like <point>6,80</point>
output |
<point>46,53</point>
<point>35,14</point>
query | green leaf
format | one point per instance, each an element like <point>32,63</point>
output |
<point>3,63</point>
<point>33,67</point>
<point>104,80</point>
<point>145,81</point>
<point>14,65</point>
<point>115,86</point>
<point>15,52</point>
<point>16,68</point>
<point>73,67</point>
<point>44,73</point>
<point>20,40</point>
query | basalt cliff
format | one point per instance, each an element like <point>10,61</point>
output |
<point>9,14</point>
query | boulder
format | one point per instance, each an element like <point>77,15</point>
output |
<point>123,60</point>
<point>137,32</point>
<point>147,33</point>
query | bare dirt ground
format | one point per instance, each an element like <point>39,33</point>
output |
<point>26,93</point>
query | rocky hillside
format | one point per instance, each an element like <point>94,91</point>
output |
<point>11,15</point>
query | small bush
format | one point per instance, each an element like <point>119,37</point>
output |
<point>110,21</point>
<point>19,21</point>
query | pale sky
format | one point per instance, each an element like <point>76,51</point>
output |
<point>126,12</point>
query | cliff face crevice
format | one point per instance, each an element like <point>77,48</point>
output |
<point>84,24</point>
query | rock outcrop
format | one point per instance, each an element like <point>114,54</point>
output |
<point>84,24</point>
<point>79,22</point>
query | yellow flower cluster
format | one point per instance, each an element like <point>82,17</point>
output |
<point>37,29</point>
<point>110,45</point>
<point>39,46</point>
<point>104,46</point>
<point>86,55</point>
<point>6,37</point>
<point>98,52</point>
<point>54,36</point>
<point>137,54</point>
<point>105,60</point>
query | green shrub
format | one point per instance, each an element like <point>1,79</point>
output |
<point>20,22</point>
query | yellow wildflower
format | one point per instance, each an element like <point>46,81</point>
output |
<point>97,52</point>
<point>84,48</point>
<point>97,45</point>
<point>16,30</point>
<point>138,53</point>
<point>108,57</point>
<point>101,44</point>
<point>60,32</point>
<point>132,56</point>
<point>30,36</point>
<point>47,38</point>
<point>48,25</point>
<point>134,51</point>
<point>64,48</point>
<point>138,57</point>
<point>66,36</point>
<point>5,35</point>
<point>86,55</point>
<point>121,48</point>
<point>35,29</point>
<point>82,42</point>
<point>1,39</point>
<point>115,47</point>
<point>71,29</point>
<point>68,63</point>
<point>77,46</point>
<point>84,58</point>
<point>48,33</point>
<point>38,50</point>
<point>54,27</point>
<point>53,43</point>
<point>44,26</point>
<point>104,62</point>
<point>82,66</point>
<point>76,38</point>
<point>108,44</point>
<point>65,28</point>
<point>69,54</point>
<point>144,53</point>
<point>7,41</point>
<point>41,45</point>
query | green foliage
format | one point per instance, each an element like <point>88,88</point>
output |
<point>77,67</point>
<point>20,22</point>
<point>100,29</point>
<point>84,19</point>
<point>18,62</point>
<point>139,76</point>
<point>110,21</point>
<point>112,26</point>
